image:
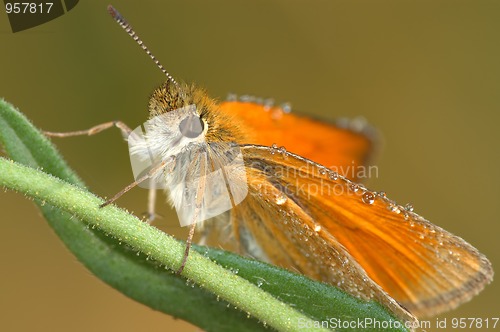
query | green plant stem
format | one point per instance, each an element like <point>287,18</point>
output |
<point>154,243</point>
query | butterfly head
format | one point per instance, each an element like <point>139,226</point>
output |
<point>192,115</point>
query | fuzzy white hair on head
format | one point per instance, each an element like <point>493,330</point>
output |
<point>203,179</point>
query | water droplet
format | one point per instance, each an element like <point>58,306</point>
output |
<point>322,171</point>
<point>259,283</point>
<point>287,107</point>
<point>354,187</point>
<point>409,207</point>
<point>333,176</point>
<point>283,151</point>
<point>382,194</point>
<point>274,147</point>
<point>232,97</point>
<point>317,228</point>
<point>281,199</point>
<point>246,98</point>
<point>368,197</point>
<point>394,208</point>
<point>268,103</point>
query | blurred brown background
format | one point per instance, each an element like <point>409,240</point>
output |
<point>425,73</point>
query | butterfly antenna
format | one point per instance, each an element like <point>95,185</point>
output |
<point>124,24</point>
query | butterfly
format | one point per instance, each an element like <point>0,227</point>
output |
<point>304,208</point>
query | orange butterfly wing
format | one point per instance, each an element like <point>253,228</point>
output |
<point>300,215</point>
<point>342,147</point>
<point>341,233</point>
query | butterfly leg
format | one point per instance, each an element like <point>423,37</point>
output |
<point>94,130</point>
<point>189,241</point>
<point>126,131</point>
<point>152,172</point>
<point>197,208</point>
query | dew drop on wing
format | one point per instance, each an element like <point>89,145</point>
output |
<point>354,187</point>
<point>281,199</point>
<point>368,198</point>
<point>334,176</point>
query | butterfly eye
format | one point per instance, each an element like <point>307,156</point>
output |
<point>191,127</point>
